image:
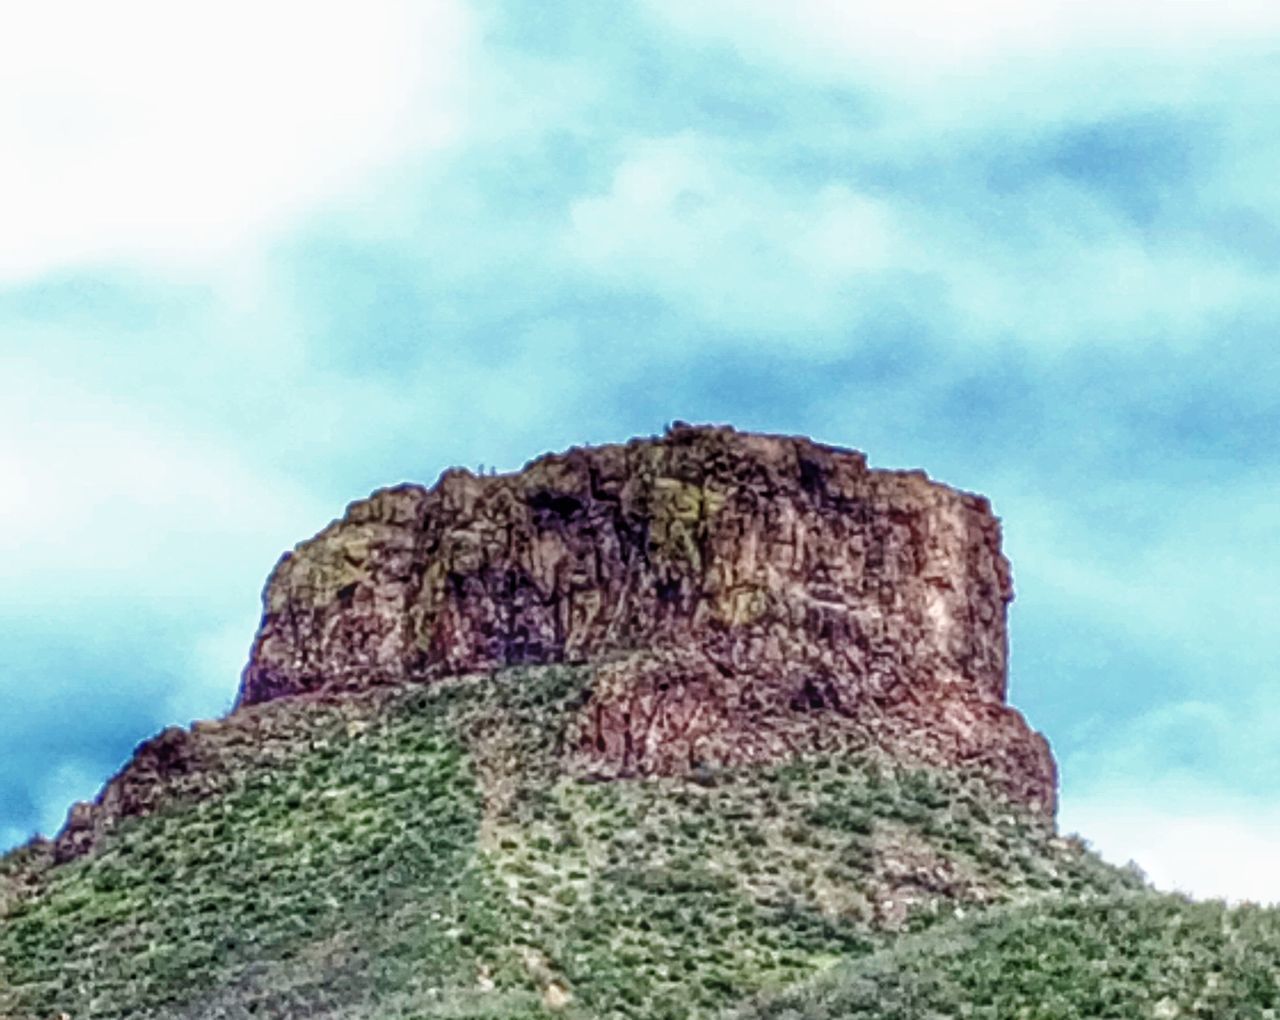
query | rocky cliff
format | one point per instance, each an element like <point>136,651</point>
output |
<point>742,597</point>
<point>757,638</point>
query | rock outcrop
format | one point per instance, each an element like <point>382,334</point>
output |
<point>741,597</point>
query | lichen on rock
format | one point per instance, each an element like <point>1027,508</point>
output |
<point>742,595</point>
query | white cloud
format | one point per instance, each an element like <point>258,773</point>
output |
<point>93,493</point>
<point>1055,268</point>
<point>1075,274</point>
<point>151,131</point>
<point>1204,738</point>
<point>1206,842</point>
<point>737,249</point>
<point>109,517</point>
<point>921,43</point>
<point>930,83</point>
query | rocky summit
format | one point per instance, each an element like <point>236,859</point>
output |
<point>742,597</point>
<point>736,598</point>
<point>700,726</point>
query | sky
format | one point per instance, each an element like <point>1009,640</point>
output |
<point>258,260</point>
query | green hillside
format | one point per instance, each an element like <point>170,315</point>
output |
<point>1133,954</point>
<point>423,852</point>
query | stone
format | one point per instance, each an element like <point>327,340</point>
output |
<point>156,767</point>
<point>742,597</point>
<point>735,598</point>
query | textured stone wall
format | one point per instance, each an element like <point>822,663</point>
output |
<point>753,548</point>
<point>745,596</point>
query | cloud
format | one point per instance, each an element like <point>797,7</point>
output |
<point>1055,265</point>
<point>918,44</point>
<point>148,132</point>
<point>1226,741</point>
<point>85,679</point>
<point>92,491</point>
<point>214,659</point>
<point>1183,564</point>
<point>1058,176</point>
<point>740,250</point>
<point>1029,248</point>
<point>130,547</point>
<point>1209,842</point>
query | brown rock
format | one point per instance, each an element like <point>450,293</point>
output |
<point>739,598</point>
<point>157,766</point>
<point>744,596</point>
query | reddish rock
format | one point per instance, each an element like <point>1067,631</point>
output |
<point>737,598</point>
<point>742,596</point>
<point>157,766</point>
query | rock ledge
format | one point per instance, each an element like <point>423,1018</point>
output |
<point>742,596</point>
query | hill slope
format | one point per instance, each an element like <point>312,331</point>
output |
<point>1135,953</point>
<point>422,852</point>
<point>702,725</point>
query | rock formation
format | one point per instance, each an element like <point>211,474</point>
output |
<point>740,597</point>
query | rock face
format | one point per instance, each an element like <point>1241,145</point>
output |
<point>741,597</point>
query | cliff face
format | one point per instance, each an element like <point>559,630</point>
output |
<point>742,597</point>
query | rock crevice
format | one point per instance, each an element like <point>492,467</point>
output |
<point>743,597</point>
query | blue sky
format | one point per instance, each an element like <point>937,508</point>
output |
<point>255,262</point>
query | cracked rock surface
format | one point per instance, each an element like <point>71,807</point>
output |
<point>742,597</point>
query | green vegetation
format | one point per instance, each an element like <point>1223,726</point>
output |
<point>426,853</point>
<point>290,889</point>
<point>1138,954</point>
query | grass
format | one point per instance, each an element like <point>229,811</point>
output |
<point>427,853</point>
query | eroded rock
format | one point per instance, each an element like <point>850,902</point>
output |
<point>744,596</point>
<point>736,599</point>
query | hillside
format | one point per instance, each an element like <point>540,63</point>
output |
<point>461,782</point>
<point>421,853</point>
<point>1130,953</point>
